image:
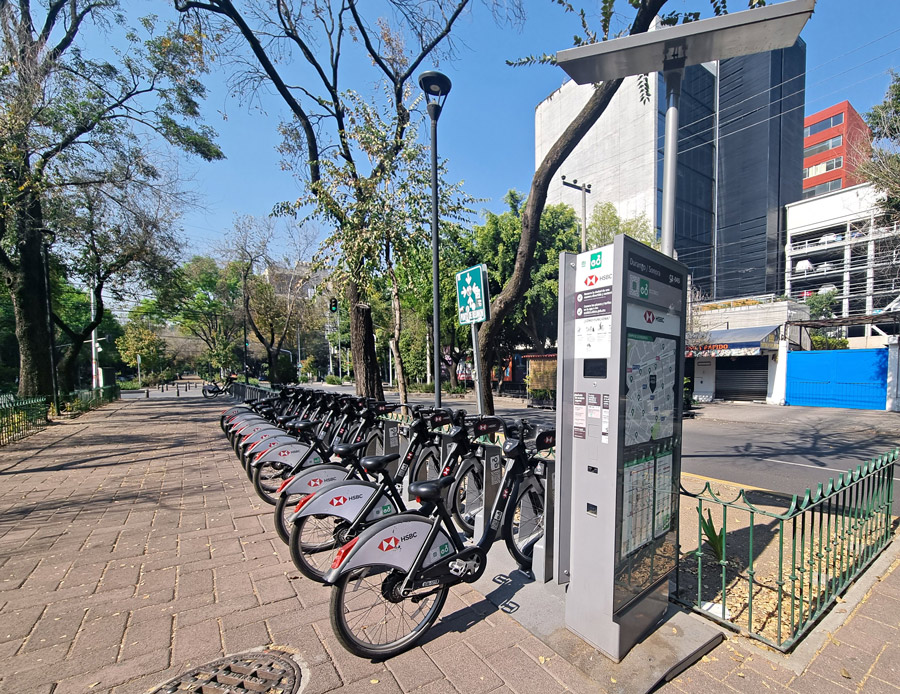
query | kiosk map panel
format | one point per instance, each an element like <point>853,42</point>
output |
<point>649,387</point>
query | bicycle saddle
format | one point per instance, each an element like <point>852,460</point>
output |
<point>305,425</point>
<point>377,463</point>
<point>343,450</point>
<point>430,490</point>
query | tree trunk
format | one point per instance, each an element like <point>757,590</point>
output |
<point>518,283</point>
<point>397,324</point>
<point>67,367</point>
<point>362,346</point>
<point>29,299</point>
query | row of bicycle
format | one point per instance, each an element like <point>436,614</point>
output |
<point>390,531</point>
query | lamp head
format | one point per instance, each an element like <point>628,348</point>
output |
<point>436,86</point>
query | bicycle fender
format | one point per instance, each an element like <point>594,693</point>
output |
<point>231,412</point>
<point>240,422</point>
<point>345,499</point>
<point>290,454</point>
<point>260,435</point>
<point>395,541</point>
<point>310,480</point>
<point>263,445</point>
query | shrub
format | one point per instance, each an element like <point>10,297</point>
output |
<point>332,380</point>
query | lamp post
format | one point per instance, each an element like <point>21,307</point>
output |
<point>436,87</point>
<point>585,188</point>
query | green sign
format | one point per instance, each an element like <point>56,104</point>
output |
<point>472,296</point>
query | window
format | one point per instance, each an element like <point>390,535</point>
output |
<point>830,165</point>
<point>826,187</point>
<point>836,119</point>
<point>823,146</point>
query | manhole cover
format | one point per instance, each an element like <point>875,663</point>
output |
<point>266,671</point>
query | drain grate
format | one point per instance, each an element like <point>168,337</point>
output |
<point>265,672</point>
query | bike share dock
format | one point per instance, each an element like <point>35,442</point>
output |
<point>602,569</point>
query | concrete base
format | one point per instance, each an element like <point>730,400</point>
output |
<point>680,640</point>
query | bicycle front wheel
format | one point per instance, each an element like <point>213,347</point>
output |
<point>267,478</point>
<point>314,542</point>
<point>284,509</point>
<point>524,525</point>
<point>372,620</point>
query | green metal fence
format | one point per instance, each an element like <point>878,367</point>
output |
<point>20,417</point>
<point>770,565</point>
<point>245,392</point>
<point>80,401</point>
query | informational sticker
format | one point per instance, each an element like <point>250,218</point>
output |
<point>637,505</point>
<point>496,470</point>
<point>593,405</point>
<point>604,421</point>
<point>579,415</point>
<point>593,338</point>
<point>593,304</point>
<point>663,504</point>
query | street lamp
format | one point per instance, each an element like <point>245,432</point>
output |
<point>585,188</point>
<point>436,87</point>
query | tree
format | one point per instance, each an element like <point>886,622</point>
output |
<point>270,287</point>
<point>535,317</point>
<point>108,245</point>
<point>69,121</point>
<point>605,224</point>
<point>883,166</point>
<point>318,35</point>
<point>506,300</point>
<point>210,308</point>
<point>138,339</point>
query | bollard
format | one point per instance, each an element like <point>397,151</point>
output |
<point>177,391</point>
<point>147,393</point>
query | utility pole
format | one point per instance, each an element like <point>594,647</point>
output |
<point>246,377</point>
<point>340,347</point>
<point>585,188</point>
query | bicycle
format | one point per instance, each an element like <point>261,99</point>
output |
<point>214,390</point>
<point>391,582</point>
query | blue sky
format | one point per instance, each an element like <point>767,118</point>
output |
<point>486,130</point>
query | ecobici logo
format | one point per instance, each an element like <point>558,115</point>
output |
<point>596,260</point>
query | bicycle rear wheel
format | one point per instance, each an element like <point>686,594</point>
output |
<point>284,509</point>
<point>267,478</point>
<point>524,523</point>
<point>314,542</point>
<point>372,620</point>
<point>467,495</point>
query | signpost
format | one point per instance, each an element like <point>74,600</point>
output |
<point>474,306</point>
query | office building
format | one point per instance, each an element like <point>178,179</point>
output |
<point>735,171</point>
<point>834,139</point>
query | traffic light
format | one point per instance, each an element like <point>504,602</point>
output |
<point>333,305</point>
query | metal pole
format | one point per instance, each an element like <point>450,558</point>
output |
<point>95,381</point>
<point>340,347</point>
<point>434,110</point>
<point>298,354</point>
<point>50,329</point>
<point>583,218</point>
<point>670,160</point>
<point>476,355</point>
<point>139,372</point>
<point>246,377</point>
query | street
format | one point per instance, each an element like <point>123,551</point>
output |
<point>783,449</point>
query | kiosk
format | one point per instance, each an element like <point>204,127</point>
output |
<point>618,423</point>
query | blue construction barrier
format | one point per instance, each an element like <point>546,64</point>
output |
<point>853,378</point>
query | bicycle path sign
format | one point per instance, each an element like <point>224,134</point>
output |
<point>472,295</point>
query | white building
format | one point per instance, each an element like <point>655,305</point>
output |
<point>838,242</point>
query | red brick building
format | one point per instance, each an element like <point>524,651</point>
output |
<point>833,140</point>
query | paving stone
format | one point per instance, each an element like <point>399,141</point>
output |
<point>521,673</point>
<point>866,634</point>
<point>197,642</point>
<point>465,670</point>
<point>146,635</point>
<point>414,669</point>
<point>246,637</point>
<point>322,678</point>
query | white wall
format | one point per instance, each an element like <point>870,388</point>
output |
<point>704,379</point>
<point>831,209</point>
<point>617,156</point>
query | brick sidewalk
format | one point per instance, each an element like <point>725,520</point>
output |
<point>133,548</point>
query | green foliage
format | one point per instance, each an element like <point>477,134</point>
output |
<point>883,166</point>
<point>825,342</point>
<point>332,380</point>
<point>821,305</point>
<point>715,539</point>
<point>138,339</point>
<point>605,224</point>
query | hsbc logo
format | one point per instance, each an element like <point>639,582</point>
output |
<point>649,317</point>
<point>591,280</point>
<point>282,454</point>
<point>338,501</point>
<point>389,543</point>
<point>317,482</point>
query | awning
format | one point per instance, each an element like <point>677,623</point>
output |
<point>736,342</point>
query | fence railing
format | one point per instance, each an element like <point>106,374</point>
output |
<point>20,417</point>
<point>770,565</point>
<point>80,401</point>
<point>244,391</point>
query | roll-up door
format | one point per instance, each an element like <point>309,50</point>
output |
<point>742,378</point>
